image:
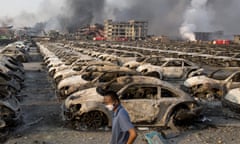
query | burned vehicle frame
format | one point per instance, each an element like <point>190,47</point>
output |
<point>153,102</point>
<point>209,88</point>
<point>91,78</point>
<point>170,69</point>
<point>10,111</point>
<point>78,69</point>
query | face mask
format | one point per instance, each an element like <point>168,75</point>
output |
<point>110,107</point>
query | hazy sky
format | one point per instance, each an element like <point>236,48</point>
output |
<point>164,16</point>
<point>14,7</point>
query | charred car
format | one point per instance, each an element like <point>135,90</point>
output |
<point>170,69</point>
<point>90,78</point>
<point>11,67</point>
<point>18,53</point>
<point>213,86</point>
<point>10,111</point>
<point>232,100</point>
<point>78,69</point>
<point>9,84</point>
<point>148,100</point>
<point>142,60</point>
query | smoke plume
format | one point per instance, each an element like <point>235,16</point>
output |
<point>196,18</point>
<point>81,13</point>
<point>5,21</point>
<point>62,15</point>
<point>164,16</point>
<point>167,16</point>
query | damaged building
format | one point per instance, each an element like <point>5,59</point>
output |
<point>131,30</point>
<point>90,32</point>
<point>208,36</point>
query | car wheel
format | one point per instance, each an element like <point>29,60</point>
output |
<point>92,120</point>
<point>178,118</point>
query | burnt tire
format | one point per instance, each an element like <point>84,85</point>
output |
<point>177,118</point>
<point>92,120</point>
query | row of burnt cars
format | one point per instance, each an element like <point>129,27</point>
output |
<point>204,49</point>
<point>203,81</point>
<point>11,82</point>
<point>82,74</point>
<point>201,54</point>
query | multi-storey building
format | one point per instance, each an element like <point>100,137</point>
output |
<point>131,30</point>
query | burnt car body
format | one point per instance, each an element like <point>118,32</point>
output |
<point>78,69</point>
<point>18,53</point>
<point>148,100</point>
<point>10,111</point>
<point>142,60</point>
<point>90,78</point>
<point>7,83</point>
<point>170,69</point>
<point>53,70</point>
<point>232,100</point>
<point>11,67</point>
<point>213,86</point>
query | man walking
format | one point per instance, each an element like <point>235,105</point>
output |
<point>123,131</point>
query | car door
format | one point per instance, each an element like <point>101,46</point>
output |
<point>141,102</point>
<point>186,67</point>
<point>173,69</point>
<point>167,99</point>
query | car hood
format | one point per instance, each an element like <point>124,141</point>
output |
<point>149,67</point>
<point>63,72</point>
<point>127,59</point>
<point>59,68</point>
<point>197,80</point>
<point>54,64</point>
<point>73,80</point>
<point>83,96</point>
<point>233,96</point>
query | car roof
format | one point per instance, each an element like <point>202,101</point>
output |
<point>120,82</point>
<point>109,69</point>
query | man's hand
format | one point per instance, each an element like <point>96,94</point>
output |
<point>132,136</point>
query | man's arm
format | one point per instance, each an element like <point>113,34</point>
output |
<point>132,136</point>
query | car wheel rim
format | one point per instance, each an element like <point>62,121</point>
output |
<point>92,120</point>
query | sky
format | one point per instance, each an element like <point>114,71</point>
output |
<point>11,8</point>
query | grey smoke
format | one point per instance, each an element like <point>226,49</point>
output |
<point>196,18</point>
<point>6,21</point>
<point>71,14</point>
<point>164,16</point>
<point>82,12</point>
